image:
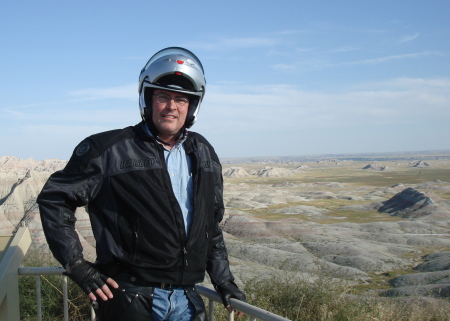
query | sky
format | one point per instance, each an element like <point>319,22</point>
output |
<point>283,77</point>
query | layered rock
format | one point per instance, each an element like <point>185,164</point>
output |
<point>20,183</point>
<point>410,203</point>
<point>235,172</point>
<point>273,172</point>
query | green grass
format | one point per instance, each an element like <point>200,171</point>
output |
<point>335,215</point>
<point>379,281</point>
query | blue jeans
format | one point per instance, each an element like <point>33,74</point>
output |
<point>137,301</point>
<point>172,305</point>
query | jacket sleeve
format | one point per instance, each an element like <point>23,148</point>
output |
<point>218,266</point>
<point>74,186</point>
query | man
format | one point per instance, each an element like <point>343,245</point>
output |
<point>154,197</point>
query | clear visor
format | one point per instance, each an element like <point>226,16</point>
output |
<point>173,51</point>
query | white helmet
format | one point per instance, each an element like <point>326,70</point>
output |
<point>175,69</point>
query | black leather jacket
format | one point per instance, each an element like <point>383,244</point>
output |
<point>121,177</point>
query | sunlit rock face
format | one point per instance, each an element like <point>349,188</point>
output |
<point>20,183</point>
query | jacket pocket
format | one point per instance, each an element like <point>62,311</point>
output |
<point>128,303</point>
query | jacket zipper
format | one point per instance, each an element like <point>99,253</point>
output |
<point>135,239</point>
<point>194,194</point>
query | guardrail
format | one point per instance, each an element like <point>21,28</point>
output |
<point>212,296</point>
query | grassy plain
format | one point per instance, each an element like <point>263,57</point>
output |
<point>353,174</point>
<point>354,180</point>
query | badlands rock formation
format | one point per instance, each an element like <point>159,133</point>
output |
<point>345,250</point>
<point>273,172</point>
<point>235,172</point>
<point>20,183</point>
<point>421,164</point>
<point>377,167</point>
<point>433,278</point>
<point>411,203</point>
<point>275,225</point>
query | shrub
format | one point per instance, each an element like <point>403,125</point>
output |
<point>327,299</point>
<point>323,299</point>
<point>51,292</point>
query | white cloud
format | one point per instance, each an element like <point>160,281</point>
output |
<point>128,92</point>
<point>385,59</point>
<point>344,49</point>
<point>121,92</point>
<point>233,43</point>
<point>409,38</point>
<point>245,111</point>
<point>281,107</point>
<point>292,32</point>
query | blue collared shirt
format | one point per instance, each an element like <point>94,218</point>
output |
<point>180,172</point>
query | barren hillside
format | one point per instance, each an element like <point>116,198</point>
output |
<point>304,218</point>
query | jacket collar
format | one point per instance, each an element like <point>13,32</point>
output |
<point>145,134</point>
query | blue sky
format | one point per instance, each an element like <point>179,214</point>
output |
<point>284,77</point>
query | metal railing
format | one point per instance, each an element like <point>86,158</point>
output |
<point>11,258</point>
<point>253,312</point>
<point>37,272</point>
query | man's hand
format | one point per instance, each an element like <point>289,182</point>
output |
<point>89,279</point>
<point>230,290</point>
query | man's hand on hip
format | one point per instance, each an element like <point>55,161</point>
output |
<point>90,280</point>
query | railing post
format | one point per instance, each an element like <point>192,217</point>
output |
<point>211,309</point>
<point>9,278</point>
<point>65,298</point>
<point>93,315</point>
<point>38,297</point>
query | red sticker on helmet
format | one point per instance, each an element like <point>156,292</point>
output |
<point>180,62</point>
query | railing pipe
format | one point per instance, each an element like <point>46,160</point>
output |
<point>211,295</point>
<point>241,306</point>
<point>41,271</point>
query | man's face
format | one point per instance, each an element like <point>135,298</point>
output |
<point>168,118</point>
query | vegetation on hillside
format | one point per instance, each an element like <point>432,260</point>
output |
<point>324,299</point>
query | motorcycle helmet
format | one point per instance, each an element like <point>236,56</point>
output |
<point>175,69</point>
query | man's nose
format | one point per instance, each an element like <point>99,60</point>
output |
<point>171,104</point>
